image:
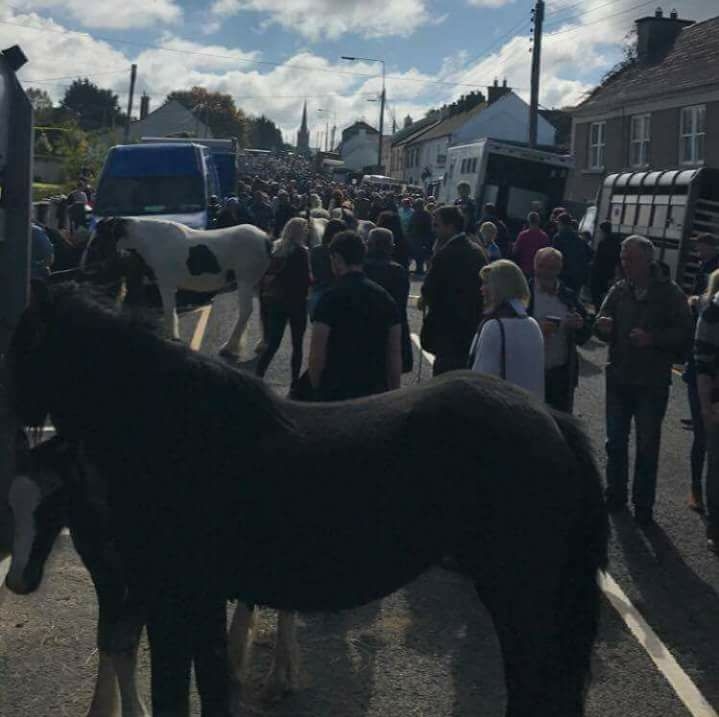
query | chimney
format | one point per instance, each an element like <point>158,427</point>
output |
<point>494,92</point>
<point>657,34</point>
<point>144,106</point>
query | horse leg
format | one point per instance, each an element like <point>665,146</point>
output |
<point>283,675</point>
<point>169,630</point>
<point>526,619</point>
<point>240,639</point>
<point>124,658</point>
<point>169,309</point>
<point>245,293</point>
<point>210,656</point>
<point>106,697</point>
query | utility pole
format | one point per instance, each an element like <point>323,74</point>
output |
<point>383,97</point>
<point>538,13</point>
<point>133,77</point>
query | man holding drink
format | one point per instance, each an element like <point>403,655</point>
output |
<point>645,319</point>
<point>565,325</point>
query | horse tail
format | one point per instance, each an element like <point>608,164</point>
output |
<point>588,546</point>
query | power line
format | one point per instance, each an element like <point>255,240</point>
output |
<point>601,19</point>
<point>266,63</point>
<point>75,77</point>
<point>576,15</point>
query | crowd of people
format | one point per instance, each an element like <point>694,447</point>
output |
<point>514,306</point>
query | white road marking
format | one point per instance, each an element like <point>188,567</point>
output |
<point>201,327</point>
<point>665,662</point>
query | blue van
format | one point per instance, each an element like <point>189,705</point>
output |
<point>171,181</point>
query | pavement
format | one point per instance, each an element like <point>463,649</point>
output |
<point>429,649</point>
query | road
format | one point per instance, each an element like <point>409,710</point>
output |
<point>430,648</point>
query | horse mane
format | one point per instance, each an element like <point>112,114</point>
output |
<point>137,332</point>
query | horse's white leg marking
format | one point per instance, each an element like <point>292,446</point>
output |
<point>240,639</point>
<point>24,497</point>
<point>169,310</point>
<point>125,664</point>
<point>106,700</point>
<point>245,293</point>
<point>283,677</point>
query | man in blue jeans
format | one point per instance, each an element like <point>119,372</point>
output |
<point>646,320</point>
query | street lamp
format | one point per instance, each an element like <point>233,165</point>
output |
<point>382,101</point>
<point>327,132</point>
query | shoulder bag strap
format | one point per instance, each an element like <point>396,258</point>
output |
<point>503,355</point>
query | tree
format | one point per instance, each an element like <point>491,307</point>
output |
<point>216,110</point>
<point>264,134</point>
<point>92,107</point>
<point>41,103</point>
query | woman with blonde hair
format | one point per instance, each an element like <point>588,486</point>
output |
<point>284,294</point>
<point>509,343</point>
<point>488,235</point>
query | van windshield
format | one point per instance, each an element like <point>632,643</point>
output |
<point>138,196</point>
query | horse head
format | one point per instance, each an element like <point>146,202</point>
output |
<point>102,246</point>
<point>39,499</point>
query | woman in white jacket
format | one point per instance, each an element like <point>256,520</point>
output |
<point>509,343</point>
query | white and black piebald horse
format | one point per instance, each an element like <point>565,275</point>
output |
<point>206,467</point>
<point>183,258</point>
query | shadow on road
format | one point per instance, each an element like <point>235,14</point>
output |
<point>684,609</point>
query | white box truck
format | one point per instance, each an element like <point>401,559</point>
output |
<point>510,176</point>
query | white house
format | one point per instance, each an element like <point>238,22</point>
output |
<point>172,118</point>
<point>359,146</point>
<point>505,117</point>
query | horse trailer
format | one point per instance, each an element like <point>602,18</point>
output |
<point>670,207</point>
<point>513,177</point>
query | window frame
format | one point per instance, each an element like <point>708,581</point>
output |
<point>695,110</point>
<point>600,145</point>
<point>642,142</point>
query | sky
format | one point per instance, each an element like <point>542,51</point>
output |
<point>271,55</point>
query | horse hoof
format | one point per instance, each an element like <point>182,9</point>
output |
<point>277,688</point>
<point>227,353</point>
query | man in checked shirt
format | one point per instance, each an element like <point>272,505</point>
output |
<point>706,357</point>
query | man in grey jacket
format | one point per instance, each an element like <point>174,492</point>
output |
<point>646,320</point>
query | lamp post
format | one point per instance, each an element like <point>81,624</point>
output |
<point>327,131</point>
<point>382,101</point>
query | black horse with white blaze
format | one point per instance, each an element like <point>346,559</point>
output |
<point>216,487</point>
<point>52,490</point>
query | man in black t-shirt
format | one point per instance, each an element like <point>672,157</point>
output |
<point>356,336</point>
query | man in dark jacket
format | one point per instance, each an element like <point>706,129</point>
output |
<point>283,213</point>
<point>646,320</point>
<point>576,255</point>
<point>605,264</point>
<point>565,325</point>
<point>421,235</point>
<point>452,293</point>
<point>394,278</point>
<point>467,206</point>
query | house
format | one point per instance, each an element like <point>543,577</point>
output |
<point>503,116</point>
<point>170,120</point>
<point>659,111</point>
<point>400,140</point>
<point>360,145</point>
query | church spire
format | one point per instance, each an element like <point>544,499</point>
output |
<point>303,136</point>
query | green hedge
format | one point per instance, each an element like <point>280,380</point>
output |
<point>42,191</point>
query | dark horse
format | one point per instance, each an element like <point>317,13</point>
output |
<point>216,487</point>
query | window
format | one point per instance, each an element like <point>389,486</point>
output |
<point>691,140</point>
<point>597,132</point>
<point>639,141</point>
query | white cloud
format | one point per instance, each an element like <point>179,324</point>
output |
<point>333,18</point>
<point>489,3</point>
<point>122,14</point>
